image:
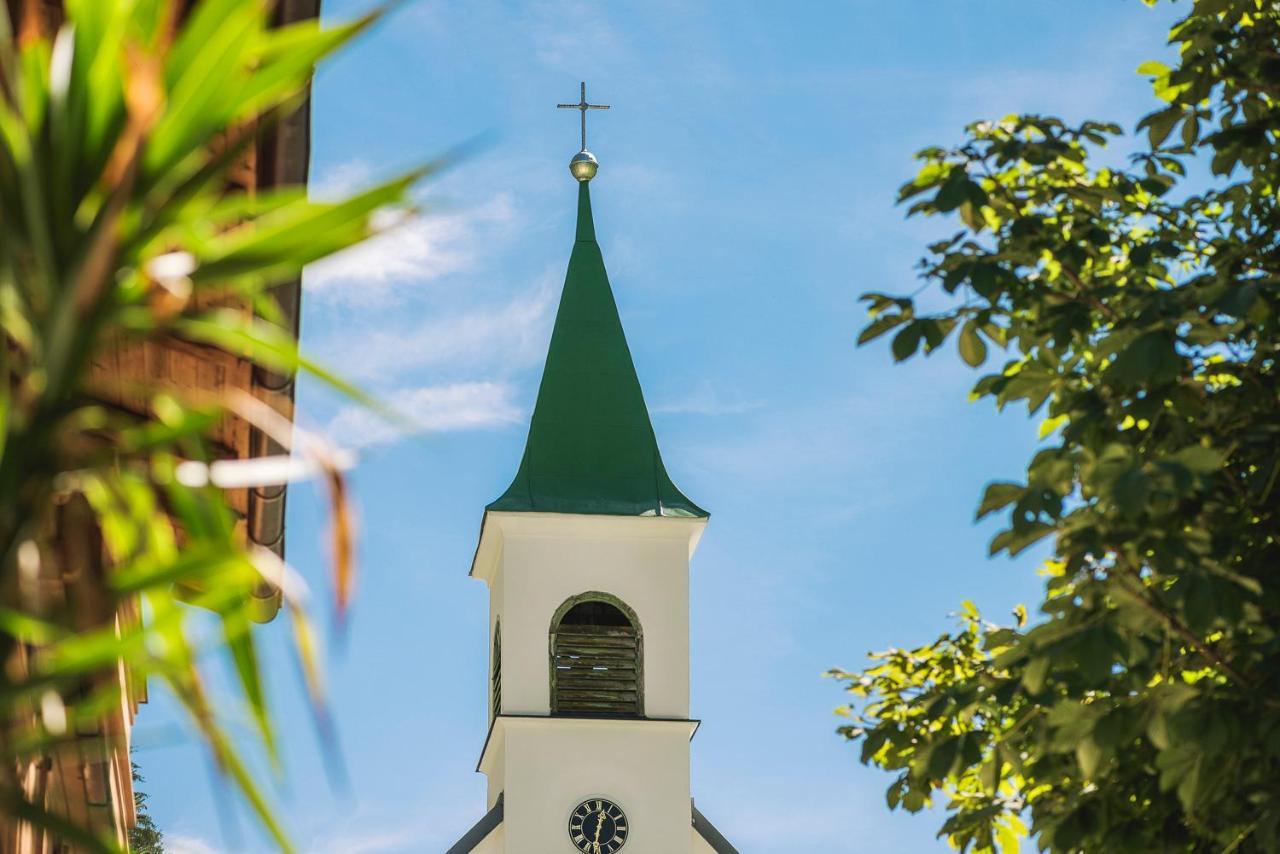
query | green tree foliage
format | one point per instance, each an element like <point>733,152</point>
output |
<point>1140,311</point>
<point>116,135</point>
<point>144,836</point>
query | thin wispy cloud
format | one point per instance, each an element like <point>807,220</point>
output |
<point>407,255</point>
<point>179,844</point>
<point>341,180</point>
<point>705,400</point>
<point>430,825</point>
<point>431,409</point>
<point>417,835</point>
<point>445,370</point>
<point>844,437</point>
<point>485,338</point>
<point>806,826</point>
<point>373,842</point>
<point>567,34</point>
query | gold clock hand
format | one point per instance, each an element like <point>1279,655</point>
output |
<point>599,827</point>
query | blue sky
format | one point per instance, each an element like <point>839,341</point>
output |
<point>745,200</point>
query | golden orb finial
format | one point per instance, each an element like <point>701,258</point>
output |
<point>584,165</point>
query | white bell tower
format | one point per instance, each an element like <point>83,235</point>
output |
<point>586,557</point>
<point>544,764</point>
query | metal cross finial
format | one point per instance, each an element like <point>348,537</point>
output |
<point>582,106</point>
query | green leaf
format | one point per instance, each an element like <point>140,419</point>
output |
<point>989,773</point>
<point>1199,459</point>
<point>957,189</point>
<point>1090,757</point>
<point>971,215</point>
<point>999,495</point>
<point>264,343</point>
<point>289,237</point>
<point>1049,425</point>
<point>972,348</point>
<point>942,757</point>
<point>906,342</point>
<point>29,629</point>
<point>1009,833</point>
<point>1158,730</point>
<point>1191,130</point>
<point>1159,125</point>
<point>1149,360</point>
<point>1224,161</point>
<point>1179,768</point>
<point>288,56</point>
<point>1035,673</point>
<point>1130,491</point>
<point>239,640</point>
<point>1016,540</point>
<point>880,326</point>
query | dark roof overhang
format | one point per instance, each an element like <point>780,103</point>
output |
<point>708,831</point>
<point>479,830</point>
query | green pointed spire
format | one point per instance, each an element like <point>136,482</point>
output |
<point>591,447</point>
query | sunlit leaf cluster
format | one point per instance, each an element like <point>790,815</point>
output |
<point>1135,310</point>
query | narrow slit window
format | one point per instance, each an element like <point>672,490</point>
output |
<point>596,658</point>
<point>495,692</point>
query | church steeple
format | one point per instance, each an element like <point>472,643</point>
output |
<point>591,446</point>
<point>586,559</point>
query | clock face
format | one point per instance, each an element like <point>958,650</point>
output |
<point>598,826</point>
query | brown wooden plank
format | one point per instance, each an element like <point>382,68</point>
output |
<point>600,641</point>
<point>603,682</point>
<point>623,685</point>
<point>563,664</point>
<point>602,672</point>
<point>617,708</point>
<point>575,667</point>
<point>597,631</point>
<point>598,651</point>
<point>584,651</point>
<point>588,697</point>
<point>627,639</point>
<point>566,648</point>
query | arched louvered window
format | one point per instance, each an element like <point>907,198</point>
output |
<point>495,685</point>
<point>596,658</point>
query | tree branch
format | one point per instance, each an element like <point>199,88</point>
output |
<point>1181,629</point>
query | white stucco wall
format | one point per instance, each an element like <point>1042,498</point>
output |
<point>550,765</point>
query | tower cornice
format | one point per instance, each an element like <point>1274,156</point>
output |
<point>498,524</point>
<point>493,742</point>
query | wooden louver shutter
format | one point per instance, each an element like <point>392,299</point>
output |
<point>596,670</point>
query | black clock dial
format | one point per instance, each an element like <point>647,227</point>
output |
<point>598,826</point>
